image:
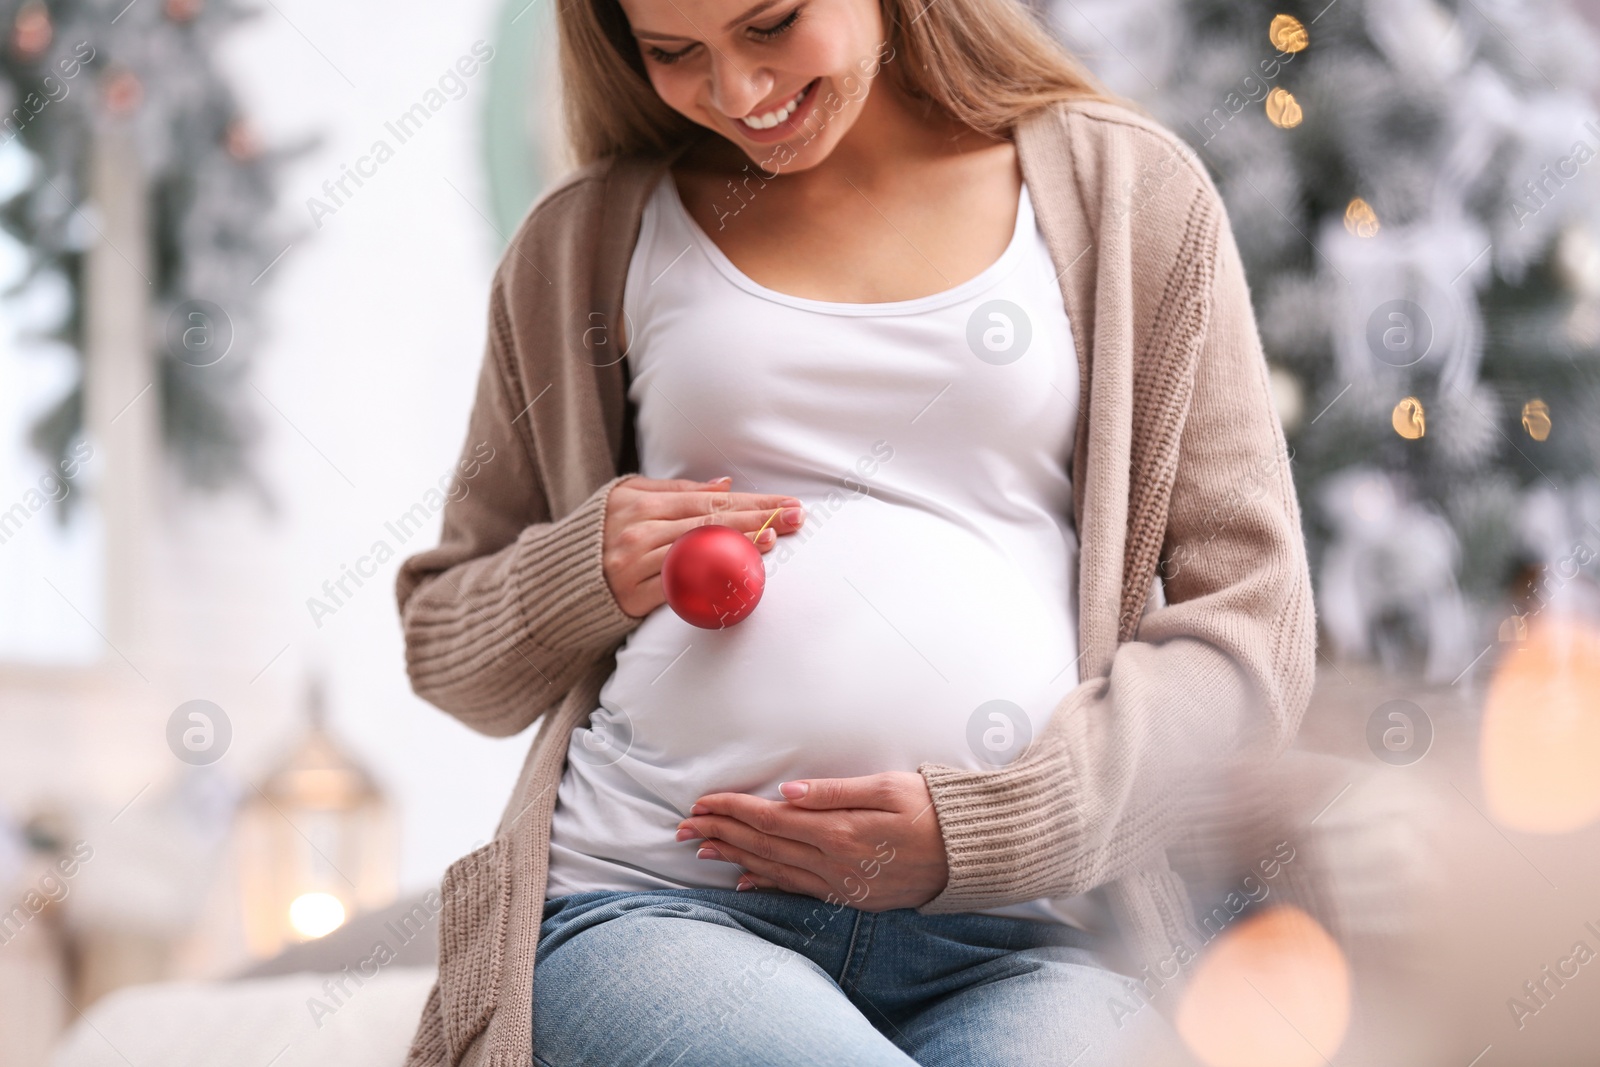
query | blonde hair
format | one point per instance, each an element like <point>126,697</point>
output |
<point>984,63</point>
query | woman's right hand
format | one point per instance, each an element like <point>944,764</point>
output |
<point>645,515</point>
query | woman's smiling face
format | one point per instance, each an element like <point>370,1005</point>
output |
<point>740,69</point>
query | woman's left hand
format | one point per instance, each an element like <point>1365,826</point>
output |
<point>872,842</point>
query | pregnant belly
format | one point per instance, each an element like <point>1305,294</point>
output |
<point>887,636</point>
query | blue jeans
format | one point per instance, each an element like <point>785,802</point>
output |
<point>719,978</point>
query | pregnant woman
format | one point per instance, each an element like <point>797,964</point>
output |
<point>966,347</point>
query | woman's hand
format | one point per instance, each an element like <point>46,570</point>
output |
<point>645,515</point>
<point>872,842</point>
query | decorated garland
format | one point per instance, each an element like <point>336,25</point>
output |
<point>66,68</point>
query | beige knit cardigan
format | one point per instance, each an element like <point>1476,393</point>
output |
<point>1179,464</point>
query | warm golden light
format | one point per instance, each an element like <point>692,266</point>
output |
<point>1288,34</point>
<point>1540,741</point>
<point>1283,110</point>
<point>1360,219</point>
<point>1272,991</point>
<point>1536,419</point>
<point>1408,418</point>
<point>316,915</point>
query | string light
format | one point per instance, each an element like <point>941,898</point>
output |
<point>1288,34</point>
<point>1536,419</point>
<point>1360,219</point>
<point>1283,110</point>
<point>1408,418</point>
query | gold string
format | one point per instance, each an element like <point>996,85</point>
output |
<point>768,522</point>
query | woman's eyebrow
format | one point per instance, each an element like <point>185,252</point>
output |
<point>750,14</point>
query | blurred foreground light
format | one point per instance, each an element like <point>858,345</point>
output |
<point>1283,110</point>
<point>1541,730</point>
<point>1273,991</point>
<point>1288,396</point>
<point>1288,34</point>
<point>316,914</point>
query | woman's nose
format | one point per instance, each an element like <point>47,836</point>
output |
<point>735,91</point>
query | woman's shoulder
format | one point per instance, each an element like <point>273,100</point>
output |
<point>1092,129</point>
<point>564,227</point>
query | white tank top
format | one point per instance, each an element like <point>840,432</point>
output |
<point>926,610</point>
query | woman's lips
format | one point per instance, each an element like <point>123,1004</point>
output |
<point>789,125</point>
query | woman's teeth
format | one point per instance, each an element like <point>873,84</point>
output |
<point>772,118</point>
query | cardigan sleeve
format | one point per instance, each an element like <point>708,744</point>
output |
<point>512,605</point>
<point>1221,672</point>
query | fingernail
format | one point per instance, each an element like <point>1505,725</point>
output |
<point>724,478</point>
<point>790,502</point>
<point>699,809</point>
<point>794,790</point>
<point>744,885</point>
<point>708,854</point>
<point>767,536</point>
<point>792,516</point>
<point>687,833</point>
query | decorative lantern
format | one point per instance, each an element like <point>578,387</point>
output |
<point>316,843</point>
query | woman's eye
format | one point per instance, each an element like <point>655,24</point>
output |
<point>764,33</point>
<point>667,57</point>
<point>769,32</point>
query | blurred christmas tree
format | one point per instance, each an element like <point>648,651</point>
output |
<point>1410,185</point>
<point>66,65</point>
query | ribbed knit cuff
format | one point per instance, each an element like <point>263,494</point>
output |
<point>1008,833</point>
<point>567,604</point>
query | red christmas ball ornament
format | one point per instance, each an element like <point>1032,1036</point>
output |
<point>713,576</point>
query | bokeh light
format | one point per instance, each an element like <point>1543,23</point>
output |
<point>1283,110</point>
<point>1272,991</point>
<point>1540,742</point>
<point>1288,34</point>
<point>316,915</point>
